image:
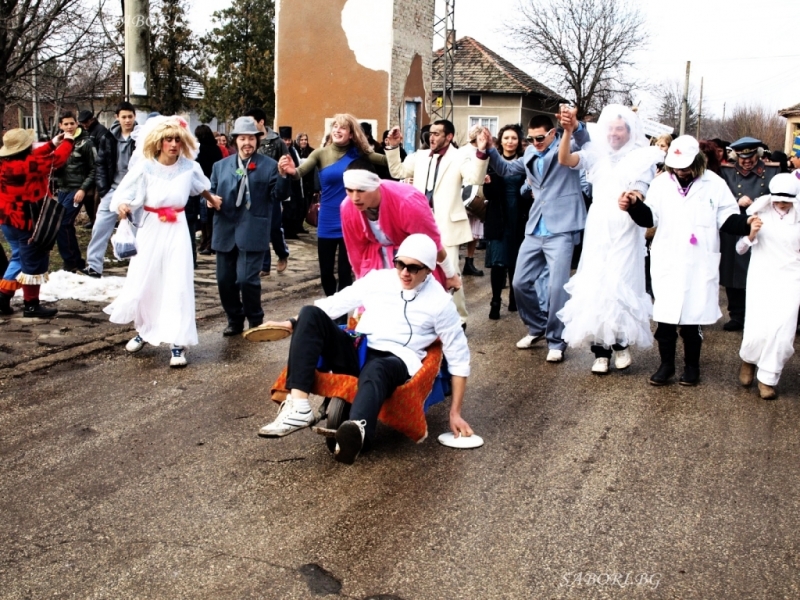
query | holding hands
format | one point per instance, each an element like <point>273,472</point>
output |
<point>485,139</point>
<point>286,166</point>
<point>568,118</point>
<point>627,199</point>
<point>755,225</point>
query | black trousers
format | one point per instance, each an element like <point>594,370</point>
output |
<point>326,253</point>
<point>317,335</point>
<point>736,303</point>
<point>603,352</point>
<point>239,286</point>
<point>667,337</point>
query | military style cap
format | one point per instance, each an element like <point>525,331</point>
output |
<point>746,146</point>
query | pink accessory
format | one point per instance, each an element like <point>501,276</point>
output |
<point>693,240</point>
<point>165,215</point>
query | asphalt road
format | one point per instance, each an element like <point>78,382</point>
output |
<point>122,479</point>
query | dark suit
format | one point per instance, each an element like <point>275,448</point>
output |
<point>241,236</point>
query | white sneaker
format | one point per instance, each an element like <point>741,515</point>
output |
<point>135,344</point>
<point>600,366</point>
<point>555,356</point>
<point>349,441</point>
<point>528,341</point>
<point>288,421</point>
<point>623,359</point>
<point>178,358</point>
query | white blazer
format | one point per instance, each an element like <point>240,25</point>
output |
<point>456,169</point>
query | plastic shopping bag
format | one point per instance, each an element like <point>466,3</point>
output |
<point>123,241</point>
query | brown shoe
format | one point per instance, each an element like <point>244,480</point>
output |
<point>264,274</point>
<point>746,374</point>
<point>282,264</point>
<point>767,392</point>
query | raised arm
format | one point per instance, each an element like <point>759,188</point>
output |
<point>569,122</point>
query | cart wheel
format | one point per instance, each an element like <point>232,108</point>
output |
<point>338,411</point>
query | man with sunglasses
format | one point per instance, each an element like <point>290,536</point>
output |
<point>555,222</point>
<point>405,310</point>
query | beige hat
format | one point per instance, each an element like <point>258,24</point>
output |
<point>17,140</point>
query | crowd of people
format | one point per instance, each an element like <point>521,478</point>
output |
<point>668,222</point>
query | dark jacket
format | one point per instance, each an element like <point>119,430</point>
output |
<point>96,131</point>
<point>106,164</point>
<point>207,155</point>
<point>248,230</point>
<point>78,173</point>
<point>272,145</point>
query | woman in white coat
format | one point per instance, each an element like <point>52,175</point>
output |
<point>690,206</point>
<point>774,274</point>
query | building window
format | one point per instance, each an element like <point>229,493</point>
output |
<point>490,122</point>
<point>27,122</point>
<point>474,100</point>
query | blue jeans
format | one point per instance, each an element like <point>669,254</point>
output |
<point>24,257</point>
<point>67,239</point>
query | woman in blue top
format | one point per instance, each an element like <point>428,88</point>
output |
<point>348,142</point>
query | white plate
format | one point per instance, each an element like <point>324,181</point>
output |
<point>473,441</point>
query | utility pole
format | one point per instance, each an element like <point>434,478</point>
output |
<point>685,103</point>
<point>700,110</point>
<point>443,64</point>
<point>137,52</point>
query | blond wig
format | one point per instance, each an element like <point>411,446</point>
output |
<point>175,127</point>
<point>351,123</point>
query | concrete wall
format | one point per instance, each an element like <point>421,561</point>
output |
<point>353,56</point>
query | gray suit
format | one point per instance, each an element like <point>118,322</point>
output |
<point>241,236</point>
<point>559,201</point>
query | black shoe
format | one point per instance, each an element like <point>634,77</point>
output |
<point>481,245</point>
<point>494,310</point>
<point>290,236</point>
<point>349,441</point>
<point>88,225</point>
<point>252,324</point>
<point>733,326</point>
<point>90,272</point>
<point>470,270</point>
<point>464,327</point>
<point>5,304</point>
<point>206,252</point>
<point>512,303</point>
<point>665,372</point>
<point>34,309</point>
<point>232,330</point>
<point>690,376</point>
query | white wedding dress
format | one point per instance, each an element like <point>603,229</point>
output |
<point>158,295</point>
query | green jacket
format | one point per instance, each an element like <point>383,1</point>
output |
<point>78,173</point>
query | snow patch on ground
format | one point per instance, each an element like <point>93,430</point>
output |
<point>75,286</point>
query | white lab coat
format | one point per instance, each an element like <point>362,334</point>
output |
<point>684,257</point>
<point>773,294</point>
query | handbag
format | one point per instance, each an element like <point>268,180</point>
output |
<point>312,216</point>
<point>47,215</point>
<point>474,204</point>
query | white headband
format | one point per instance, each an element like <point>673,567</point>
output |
<point>358,179</point>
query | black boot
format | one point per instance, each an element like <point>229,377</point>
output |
<point>469,268</point>
<point>692,344</point>
<point>667,369</point>
<point>512,301</point>
<point>5,304</point>
<point>34,309</point>
<point>494,310</point>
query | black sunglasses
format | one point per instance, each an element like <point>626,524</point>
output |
<point>538,139</point>
<point>412,269</point>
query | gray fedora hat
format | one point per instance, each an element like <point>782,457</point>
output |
<point>245,126</point>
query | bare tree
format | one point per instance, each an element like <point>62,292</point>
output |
<point>670,96</point>
<point>753,120</point>
<point>47,37</point>
<point>585,46</point>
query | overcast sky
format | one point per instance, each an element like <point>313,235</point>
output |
<point>746,50</point>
